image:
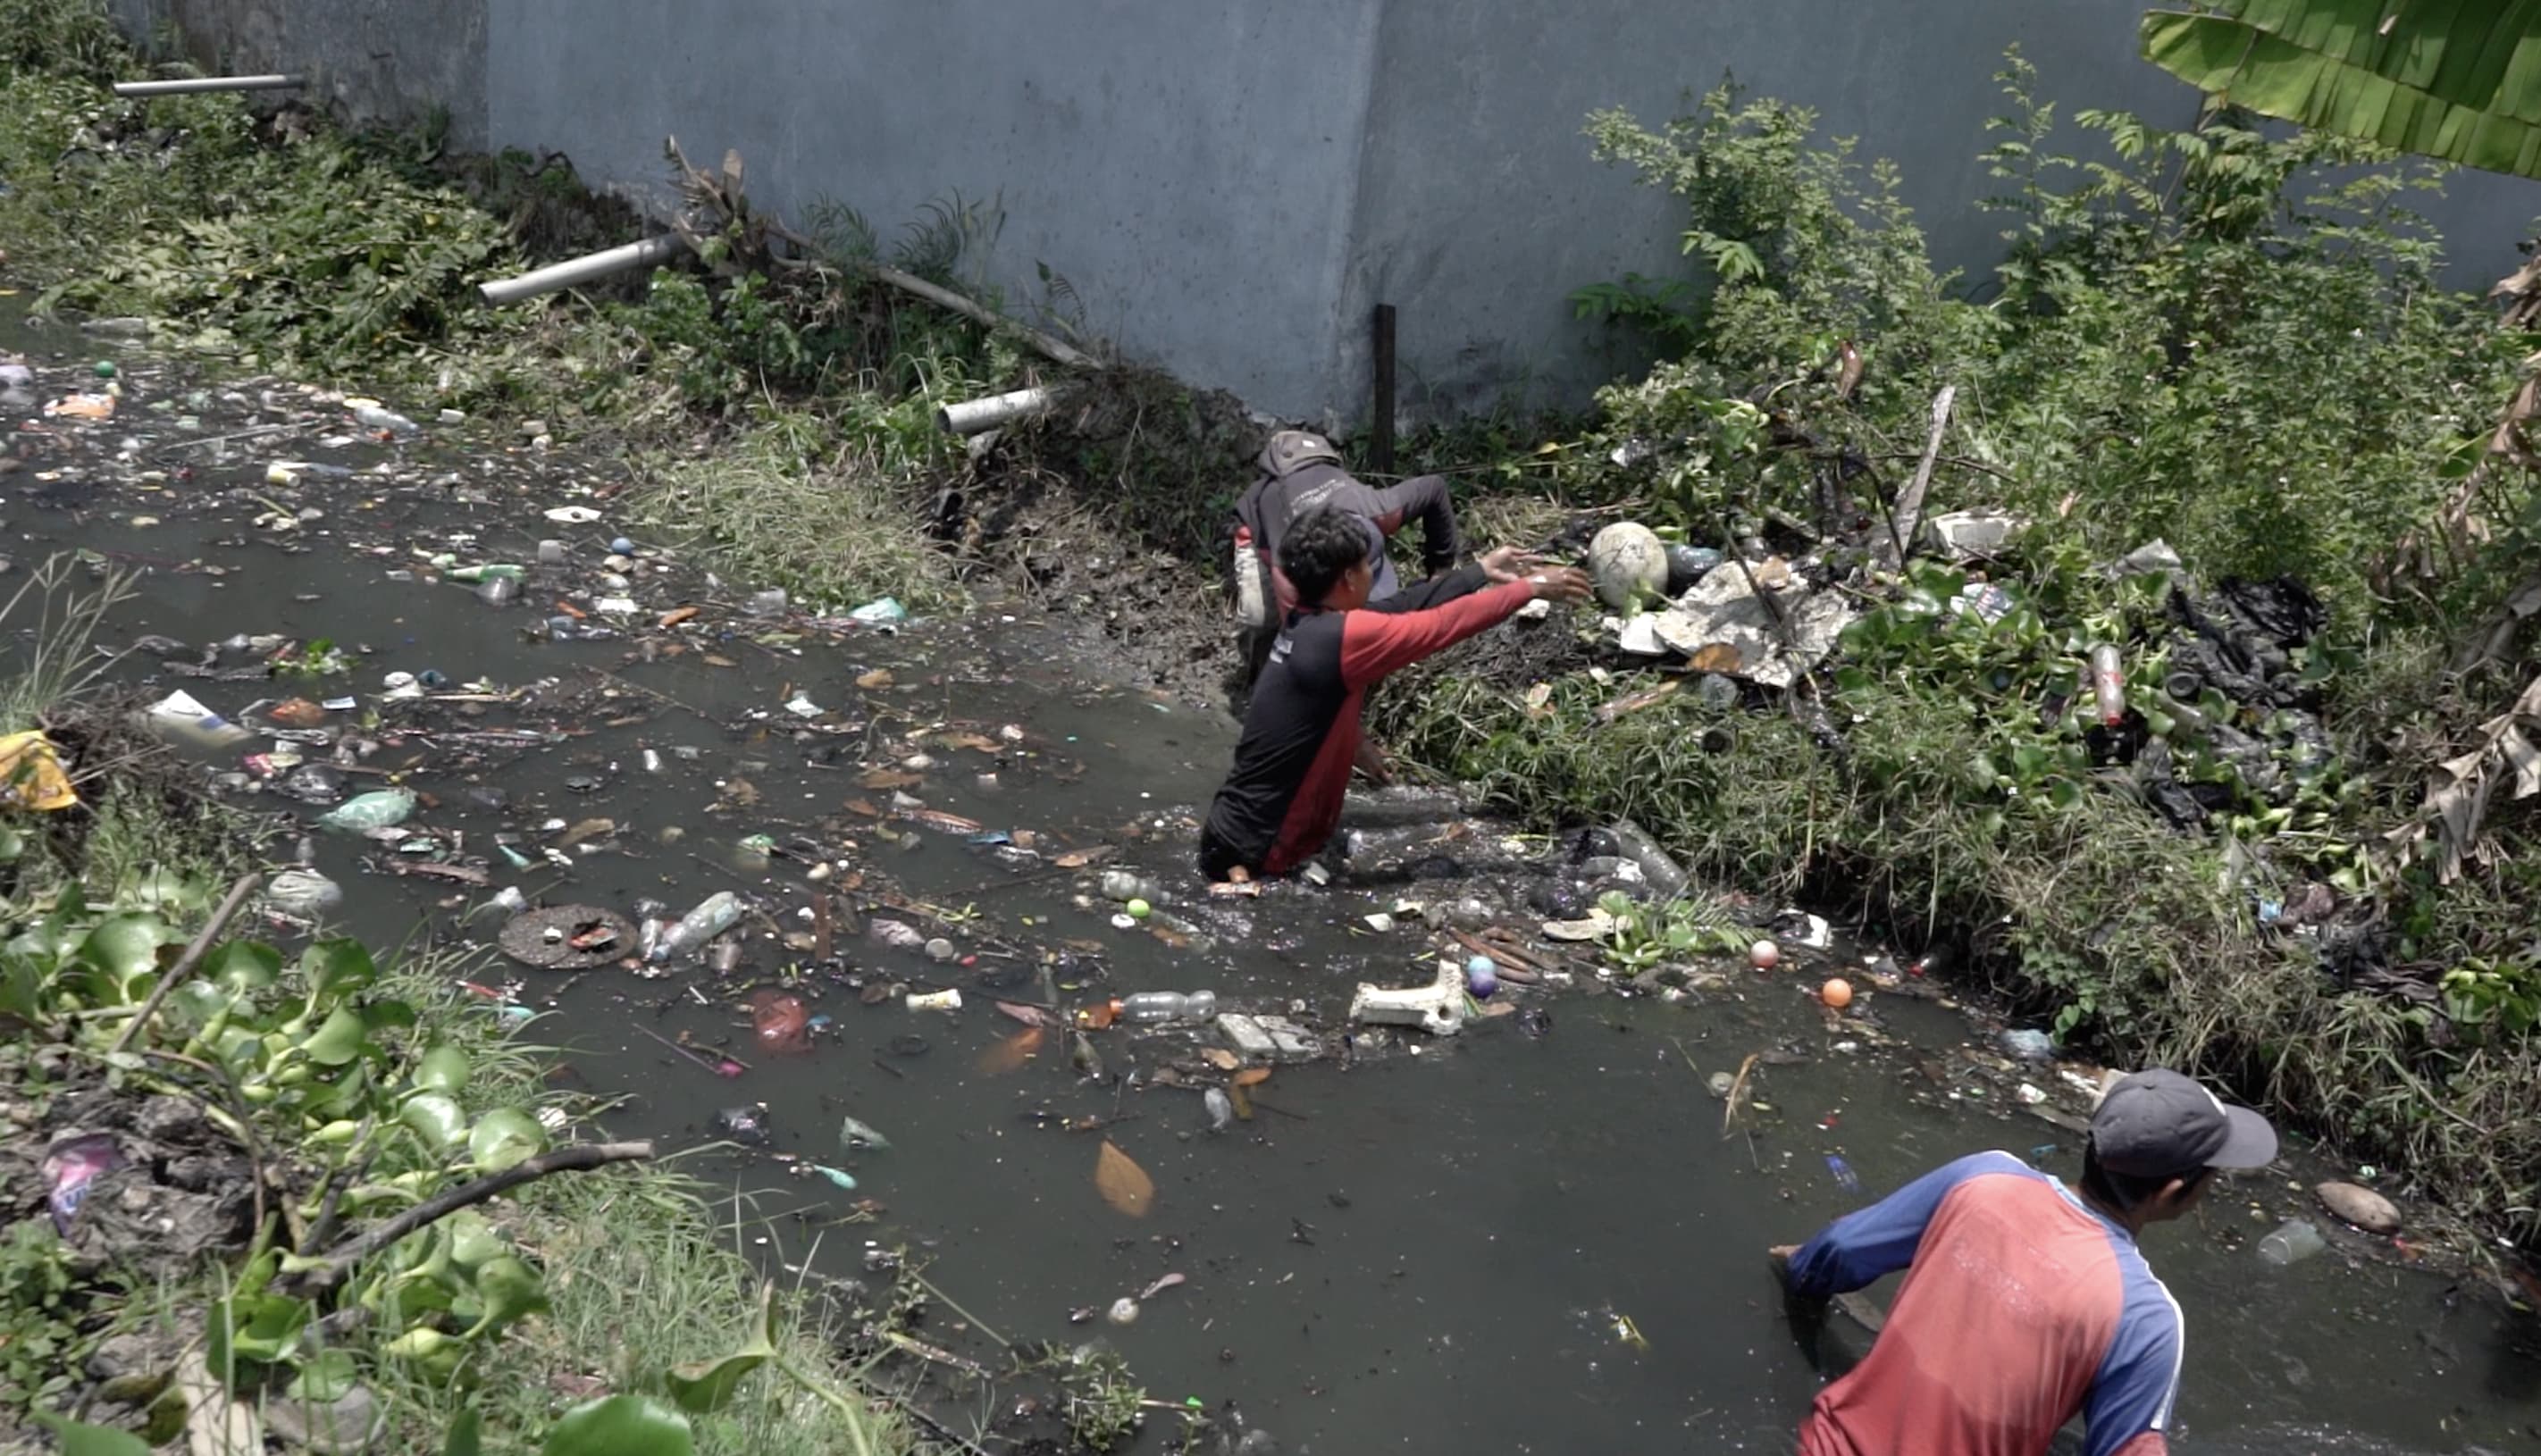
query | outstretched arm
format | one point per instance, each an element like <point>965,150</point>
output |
<point>1374,644</point>
<point>1867,1244</point>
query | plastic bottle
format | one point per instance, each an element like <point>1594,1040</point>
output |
<point>2108,675</point>
<point>1153,1006</point>
<point>497,591</point>
<point>379,809</point>
<point>486,572</point>
<point>713,915</point>
<point>552,553</point>
<point>377,418</point>
<point>767,603</point>
<point>2291,1242</point>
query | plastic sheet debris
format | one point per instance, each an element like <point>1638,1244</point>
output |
<point>567,938</point>
<point>32,776</point>
<point>1964,535</point>
<point>179,716</point>
<point>747,1124</point>
<point>1723,627</point>
<point>882,611</point>
<point>378,809</point>
<point>858,1136</point>
<point>2029,1046</point>
<point>304,893</point>
<point>1268,1038</point>
<point>69,1167</point>
<point>572,514</point>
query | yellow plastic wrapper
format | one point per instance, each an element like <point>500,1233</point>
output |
<point>31,774</point>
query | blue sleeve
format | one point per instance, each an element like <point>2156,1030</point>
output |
<point>2139,1378</point>
<point>1857,1249</point>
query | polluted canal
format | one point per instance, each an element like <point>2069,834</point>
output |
<point>1541,1230</point>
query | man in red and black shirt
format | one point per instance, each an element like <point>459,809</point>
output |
<point>1301,731</point>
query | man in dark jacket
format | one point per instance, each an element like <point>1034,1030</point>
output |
<point>1301,731</point>
<point>1301,472</point>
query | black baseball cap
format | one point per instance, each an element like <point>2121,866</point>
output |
<point>2157,1123</point>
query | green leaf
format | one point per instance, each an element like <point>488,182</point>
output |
<point>617,1425</point>
<point>508,1290</point>
<point>126,946</point>
<point>466,1437</point>
<point>243,965</point>
<point>442,1069</point>
<point>2460,81</point>
<point>324,1377</point>
<point>707,1386</point>
<point>434,1116</point>
<point>473,1240</point>
<point>79,1438</point>
<point>245,1333</point>
<point>503,1138</point>
<point>333,967</point>
<point>340,1040</point>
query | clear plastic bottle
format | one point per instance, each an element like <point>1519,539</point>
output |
<point>713,915</point>
<point>1153,1006</point>
<point>2291,1242</point>
<point>377,418</point>
<point>1124,886</point>
<point>497,591</point>
<point>2108,675</point>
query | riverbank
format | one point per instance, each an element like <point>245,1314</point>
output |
<point>2144,332</point>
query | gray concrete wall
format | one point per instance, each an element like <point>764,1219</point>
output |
<point>1230,186</point>
<point>1186,165</point>
<point>384,59</point>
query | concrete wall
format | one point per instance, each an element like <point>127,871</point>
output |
<point>1230,186</point>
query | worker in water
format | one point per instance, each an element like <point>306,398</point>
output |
<point>1301,472</point>
<point>2026,1302</point>
<point>1301,730</point>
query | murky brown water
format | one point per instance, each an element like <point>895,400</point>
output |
<point>1397,1251</point>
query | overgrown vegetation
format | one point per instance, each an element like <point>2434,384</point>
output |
<point>2226,339</point>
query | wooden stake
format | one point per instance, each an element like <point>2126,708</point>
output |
<point>1380,445</point>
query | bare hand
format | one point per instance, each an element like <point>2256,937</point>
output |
<point>1506,564</point>
<point>1560,584</point>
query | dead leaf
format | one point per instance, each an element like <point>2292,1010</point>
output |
<point>878,677</point>
<point>937,819</point>
<point>1242,1102</point>
<point>714,660</point>
<point>587,828</point>
<point>1012,1053</point>
<point>1221,1058</point>
<point>1717,657</point>
<point>1122,1182</point>
<point>977,742</point>
<point>890,779</point>
<point>865,807</point>
<point>1028,1015</point>
<point>675,615</point>
<point>1253,1076</point>
<point>1080,858</point>
<point>295,712</point>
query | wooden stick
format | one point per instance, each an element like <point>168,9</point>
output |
<point>1910,506</point>
<point>1054,350</point>
<point>194,956</point>
<point>331,1273</point>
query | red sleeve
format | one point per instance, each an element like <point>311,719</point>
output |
<point>1374,644</point>
<point>2146,1443</point>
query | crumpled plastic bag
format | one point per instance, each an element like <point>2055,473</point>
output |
<point>32,776</point>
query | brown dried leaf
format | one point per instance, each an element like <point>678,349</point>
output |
<point>1080,858</point>
<point>1221,1058</point>
<point>977,742</point>
<point>1253,1076</point>
<point>1012,1053</point>
<point>878,677</point>
<point>890,779</point>
<point>1122,1182</point>
<point>1717,657</point>
<point>713,659</point>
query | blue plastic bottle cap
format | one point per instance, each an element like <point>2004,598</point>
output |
<point>622,546</point>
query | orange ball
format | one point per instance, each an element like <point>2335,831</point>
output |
<point>1837,993</point>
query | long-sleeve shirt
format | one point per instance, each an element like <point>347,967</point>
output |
<point>2021,1307</point>
<point>1269,508</point>
<point>1301,731</point>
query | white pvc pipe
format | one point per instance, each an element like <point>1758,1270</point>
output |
<point>972,416</point>
<point>652,253</point>
<point>189,85</point>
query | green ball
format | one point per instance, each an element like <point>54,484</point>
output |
<point>106,369</point>
<point>1138,910</point>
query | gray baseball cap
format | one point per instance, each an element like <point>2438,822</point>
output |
<point>2154,1123</point>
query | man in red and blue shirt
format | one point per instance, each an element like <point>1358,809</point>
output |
<point>1301,730</point>
<point>2026,1302</point>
